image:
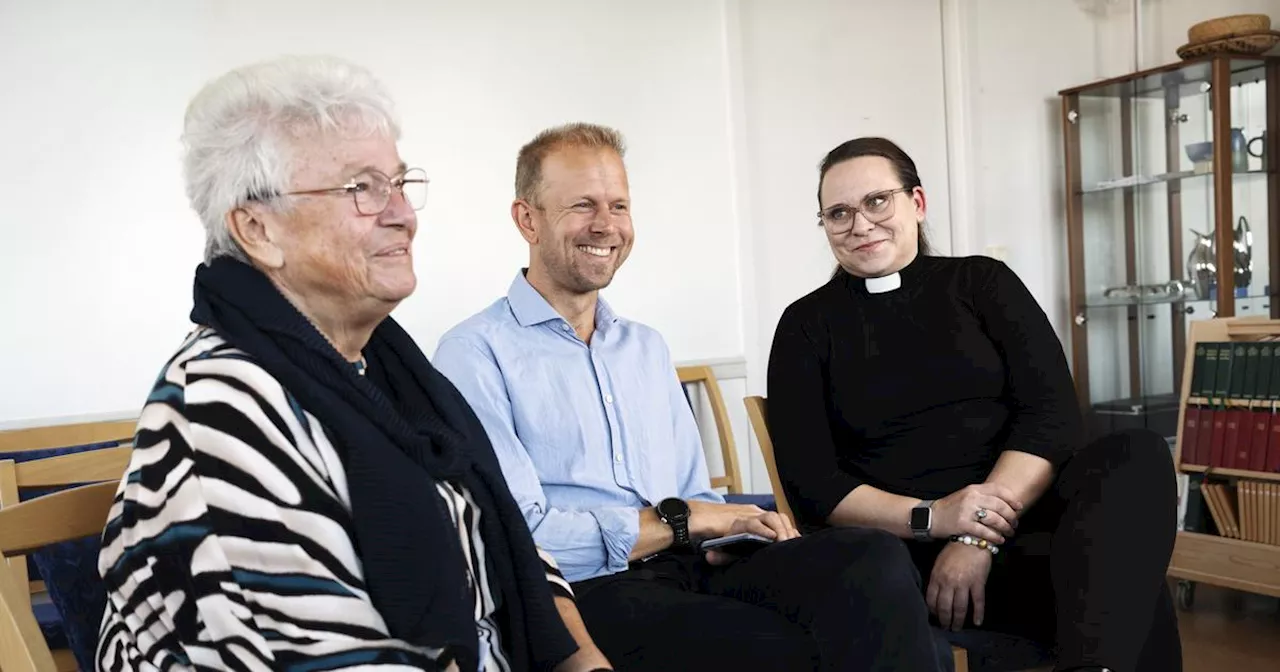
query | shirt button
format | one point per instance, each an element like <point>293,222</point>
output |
<point>617,457</point>
<point>566,327</point>
<point>608,398</point>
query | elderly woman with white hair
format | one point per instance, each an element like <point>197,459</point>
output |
<point>306,492</point>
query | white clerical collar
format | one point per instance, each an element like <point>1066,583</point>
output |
<point>884,284</point>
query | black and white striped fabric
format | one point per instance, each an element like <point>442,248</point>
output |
<point>230,543</point>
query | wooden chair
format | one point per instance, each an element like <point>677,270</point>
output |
<point>58,471</point>
<point>63,436</point>
<point>62,516</point>
<point>757,413</point>
<point>756,416</point>
<point>732,479</point>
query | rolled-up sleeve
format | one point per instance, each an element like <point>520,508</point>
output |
<point>583,543</point>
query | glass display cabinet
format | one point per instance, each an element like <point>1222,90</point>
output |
<point>1173,205</point>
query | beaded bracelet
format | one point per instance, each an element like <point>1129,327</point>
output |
<point>970,540</point>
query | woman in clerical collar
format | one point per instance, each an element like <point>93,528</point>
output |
<point>929,396</point>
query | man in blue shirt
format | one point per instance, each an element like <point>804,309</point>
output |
<point>601,451</point>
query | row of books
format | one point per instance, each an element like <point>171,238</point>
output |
<point>1232,420</point>
<point>1237,370</point>
<point>1231,437</point>
<point>1248,510</point>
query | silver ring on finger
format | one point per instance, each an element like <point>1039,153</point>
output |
<point>981,515</point>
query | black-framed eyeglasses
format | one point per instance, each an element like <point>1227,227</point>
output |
<point>875,207</point>
<point>371,190</point>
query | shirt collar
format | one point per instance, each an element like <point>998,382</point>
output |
<point>530,308</point>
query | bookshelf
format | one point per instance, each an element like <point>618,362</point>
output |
<point>1227,455</point>
<point>1170,220</point>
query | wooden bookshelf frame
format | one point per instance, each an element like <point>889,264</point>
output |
<point>1208,558</point>
<point>1218,72</point>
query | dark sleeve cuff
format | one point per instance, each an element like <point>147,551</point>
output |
<point>554,648</point>
<point>814,505</point>
<point>1057,451</point>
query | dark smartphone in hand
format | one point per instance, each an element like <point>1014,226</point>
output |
<point>741,544</point>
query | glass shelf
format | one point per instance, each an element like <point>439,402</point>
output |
<point>1142,181</point>
<point>1147,221</point>
<point>1187,79</point>
<point>1098,302</point>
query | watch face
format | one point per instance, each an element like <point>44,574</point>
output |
<point>672,509</point>
<point>920,518</point>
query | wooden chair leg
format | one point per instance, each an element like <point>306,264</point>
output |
<point>961,658</point>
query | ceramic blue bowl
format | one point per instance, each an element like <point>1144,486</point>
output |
<point>1200,152</point>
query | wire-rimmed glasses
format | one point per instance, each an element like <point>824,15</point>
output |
<point>875,207</point>
<point>371,190</point>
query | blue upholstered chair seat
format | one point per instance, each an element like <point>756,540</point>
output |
<point>766,502</point>
<point>51,626</point>
<point>997,652</point>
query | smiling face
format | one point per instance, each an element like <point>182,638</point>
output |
<point>870,250</point>
<point>319,249</point>
<point>579,231</point>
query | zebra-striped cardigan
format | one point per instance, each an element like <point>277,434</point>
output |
<point>245,565</point>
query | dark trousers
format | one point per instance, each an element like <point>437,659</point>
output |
<point>1085,572</point>
<point>838,599</point>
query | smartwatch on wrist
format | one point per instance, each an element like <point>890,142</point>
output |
<point>922,520</point>
<point>675,513</point>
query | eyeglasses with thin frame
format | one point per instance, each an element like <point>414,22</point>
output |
<point>875,207</point>
<point>371,190</point>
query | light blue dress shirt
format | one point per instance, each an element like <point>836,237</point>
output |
<point>587,435</point>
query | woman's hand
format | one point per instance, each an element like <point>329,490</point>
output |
<point>985,510</point>
<point>959,577</point>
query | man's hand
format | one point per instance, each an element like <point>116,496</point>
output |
<point>959,575</point>
<point>708,521</point>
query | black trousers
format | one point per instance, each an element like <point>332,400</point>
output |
<point>1085,572</point>
<point>838,599</point>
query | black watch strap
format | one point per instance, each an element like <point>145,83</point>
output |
<point>680,528</point>
<point>675,513</point>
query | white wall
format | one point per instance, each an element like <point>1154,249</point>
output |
<point>806,76</point>
<point>98,245</point>
<point>813,75</point>
<point>728,106</point>
<point>1013,75</point>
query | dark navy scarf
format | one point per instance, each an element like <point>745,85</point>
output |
<point>399,431</point>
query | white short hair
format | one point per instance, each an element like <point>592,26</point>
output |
<point>237,131</point>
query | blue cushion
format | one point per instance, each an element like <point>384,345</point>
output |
<point>766,502</point>
<point>999,652</point>
<point>50,622</point>
<point>69,570</point>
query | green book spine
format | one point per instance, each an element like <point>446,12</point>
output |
<point>1226,365</point>
<point>1273,385</point>
<point>1194,521</point>
<point>1250,373</point>
<point>1208,385</point>
<point>1239,364</point>
<point>1262,387</point>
